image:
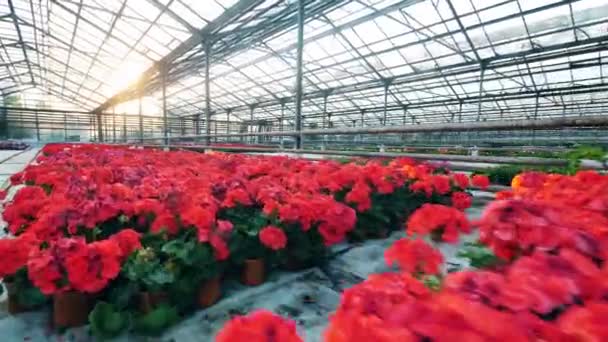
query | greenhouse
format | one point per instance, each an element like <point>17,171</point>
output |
<point>303,170</point>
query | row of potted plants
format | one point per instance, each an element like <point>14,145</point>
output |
<point>538,273</point>
<point>149,234</point>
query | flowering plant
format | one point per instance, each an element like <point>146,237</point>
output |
<point>441,221</point>
<point>550,284</point>
<point>259,326</point>
<point>102,219</point>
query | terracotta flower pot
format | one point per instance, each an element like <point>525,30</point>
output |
<point>253,272</point>
<point>209,292</point>
<point>148,301</point>
<point>70,309</point>
<point>12,302</point>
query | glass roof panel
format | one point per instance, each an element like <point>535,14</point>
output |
<point>430,54</point>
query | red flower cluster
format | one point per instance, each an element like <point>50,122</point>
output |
<point>273,238</point>
<point>74,191</point>
<point>15,253</point>
<point>414,256</point>
<point>553,286</point>
<point>72,264</point>
<point>520,226</point>
<point>461,200</point>
<point>259,326</point>
<point>436,217</point>
<point>480,181</point>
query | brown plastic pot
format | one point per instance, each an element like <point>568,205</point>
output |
<point>70,309</point>
<point>253,272</point>
<point>12,302</point>
<point>209,292</point>
<point>148,301</point>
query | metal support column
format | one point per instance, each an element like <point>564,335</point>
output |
<point>37,126</point>
<point>207,94</point>
<point>65,127</point>
<point>482,74</point>
<point>163,78</point>
<point>324,119</point>
<point>252,138</point>
<point>141,122</point>
<point>362,124</point>
<point>113,124</point>
<point>92,129</point>
<point>404,121</point>
<point>362,117</point>
<point>536,106</point>
<point>228,122</point>
<point>282,122</point>
<point>460,111</point>
<point>299,72</point>
<point>387,84</point>
<point>99,127</point>
<point>124,126</point>
<point>215,131</point>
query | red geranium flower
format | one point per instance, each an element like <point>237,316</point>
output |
<point>91,268</point>
<point>359,195</point>
<point>441,184</point>
<point>46,267</point>
<point>480,181</point>
<point>586,323</point>
<point>127,240</point>
<point>435,217</point>
<point>349,327</point>
<point>259,326</point>
<point>461,200</point>
<point>461,180</point>
<point>220,248</point>
<point>273,238</point>
<point>414,256</point>
<point>14,253</point>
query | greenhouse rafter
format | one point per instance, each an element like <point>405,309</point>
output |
<point>365,62</point>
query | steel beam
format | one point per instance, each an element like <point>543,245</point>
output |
<point>163,73</point>
<point>100,127</point>
<point>124,126</point>
<point>37,127</point>
<point>299,73</point>
<point>141,120</point>
<point>207,91</point>
<point>228,16</point>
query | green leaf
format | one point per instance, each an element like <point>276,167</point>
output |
<point>479,255</point>
<point>432,282</point>
<point>31,297</point>
<point>106,321</point>
<point>158,277</point>
<point>155,322</point>
<point>121,294</point>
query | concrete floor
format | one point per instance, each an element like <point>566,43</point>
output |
<point>12,162</point>
<point>283,293</point>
